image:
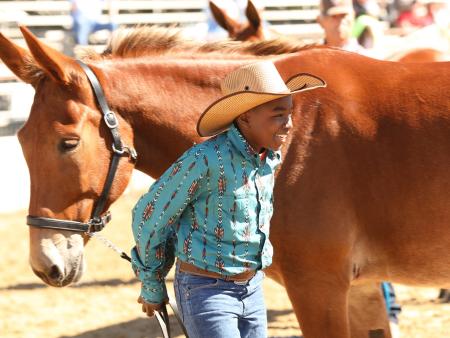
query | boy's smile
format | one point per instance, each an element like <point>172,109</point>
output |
<point>267,126</point>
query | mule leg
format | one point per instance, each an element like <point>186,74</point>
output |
<point>367,312</point>
<point>320,305</point>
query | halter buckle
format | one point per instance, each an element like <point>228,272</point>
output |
<point>126,150</point>
<point>111,120</point>
<point>97,223</point>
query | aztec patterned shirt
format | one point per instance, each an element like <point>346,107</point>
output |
<point>211,208</point>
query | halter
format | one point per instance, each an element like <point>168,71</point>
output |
<point>97,221</point>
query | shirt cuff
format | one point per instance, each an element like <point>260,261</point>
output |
<point>153,289</point>
<point>154,292</point>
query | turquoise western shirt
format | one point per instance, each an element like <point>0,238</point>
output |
<point>211,208</point>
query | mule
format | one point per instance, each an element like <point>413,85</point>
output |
<point>252,30</point>
<point>361,196</point>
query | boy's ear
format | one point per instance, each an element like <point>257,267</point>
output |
<point>243,118</point>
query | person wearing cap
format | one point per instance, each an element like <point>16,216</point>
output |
<point>211,209</point>
<point>337,18</point>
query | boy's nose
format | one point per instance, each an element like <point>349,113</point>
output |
<point>288,125</point>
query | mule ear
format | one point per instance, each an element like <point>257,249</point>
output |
<point>253,15</point>
<point>222,18</point>
<point>15,58</point>
<point>57,65</point>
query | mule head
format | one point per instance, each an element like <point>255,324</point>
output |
<point>252,30</point>
<point>67,148</point>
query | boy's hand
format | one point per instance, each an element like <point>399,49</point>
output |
<point>149,308</point>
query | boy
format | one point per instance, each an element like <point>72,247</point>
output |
<point>211,209</point>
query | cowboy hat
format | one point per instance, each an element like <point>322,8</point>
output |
<point>248,87</point>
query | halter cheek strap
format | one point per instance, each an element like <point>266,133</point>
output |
<point>97,221</point>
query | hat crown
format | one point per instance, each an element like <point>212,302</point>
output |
<point>260,77</point>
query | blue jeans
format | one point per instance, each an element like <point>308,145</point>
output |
<point>215,308</point>
<point>83,27</point>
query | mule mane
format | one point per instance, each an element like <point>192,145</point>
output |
<point>155,40</point>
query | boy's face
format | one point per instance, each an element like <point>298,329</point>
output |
<point>268,125</point>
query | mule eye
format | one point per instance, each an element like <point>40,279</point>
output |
<point>68,145</point>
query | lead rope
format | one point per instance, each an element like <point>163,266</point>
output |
<point>161,315</point>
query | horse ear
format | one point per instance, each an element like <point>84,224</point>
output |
<point>57,65</point>
<point>224,21</point>
<point>15,58</point>
<point>253,16</point>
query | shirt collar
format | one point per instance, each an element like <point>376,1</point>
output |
<point>239,141</point>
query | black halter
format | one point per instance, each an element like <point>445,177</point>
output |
<point>97,221</point>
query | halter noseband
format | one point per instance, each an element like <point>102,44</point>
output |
<point>97,221</point>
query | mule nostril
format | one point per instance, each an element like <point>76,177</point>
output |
<point>55,273</point>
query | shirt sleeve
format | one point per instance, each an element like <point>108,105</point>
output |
<point>154,217</point>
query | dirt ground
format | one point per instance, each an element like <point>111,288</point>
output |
<point>104,304</point>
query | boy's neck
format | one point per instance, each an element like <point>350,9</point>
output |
<point>257,149</point>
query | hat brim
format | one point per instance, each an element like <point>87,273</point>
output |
<point>222,112</point>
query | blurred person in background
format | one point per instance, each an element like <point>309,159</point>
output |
<point>367,30</point>
<point>417,16</point>
<point>366,7</point>
<point>337,18</point>
<point>366,27</point>
<point>426,13</point>
<point>87,18</point>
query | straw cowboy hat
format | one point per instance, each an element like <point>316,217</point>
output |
<point>247,87</point>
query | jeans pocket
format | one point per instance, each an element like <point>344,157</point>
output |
<point>193,283</point>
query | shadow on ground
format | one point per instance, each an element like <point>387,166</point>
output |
<point>108,282</point>
<point>148,328</point>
